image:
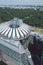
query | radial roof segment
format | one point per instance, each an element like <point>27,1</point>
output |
<point>15,29</point>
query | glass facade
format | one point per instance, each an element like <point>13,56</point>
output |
<point>21,59</point>
<point>10,53</point>
<point>25,42</point>
<point>24,59</point>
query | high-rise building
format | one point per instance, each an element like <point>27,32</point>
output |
<point>14,41</point>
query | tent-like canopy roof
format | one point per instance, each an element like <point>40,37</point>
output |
<point>15,29</point>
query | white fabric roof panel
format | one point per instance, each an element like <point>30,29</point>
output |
<point>13,34</point>
<point>17,33</point>
<point>7,32</point>
<point>9,35</point>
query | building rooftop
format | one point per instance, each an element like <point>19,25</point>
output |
<point>14,29</point>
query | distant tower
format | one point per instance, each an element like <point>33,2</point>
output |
<point>14,41</point>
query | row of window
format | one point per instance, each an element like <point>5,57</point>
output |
<point>14,54</point>
<point>10,52</point>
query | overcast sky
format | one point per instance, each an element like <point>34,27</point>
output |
<point>21,2</point>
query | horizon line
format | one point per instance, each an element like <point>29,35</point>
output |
<point>21,5</point>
